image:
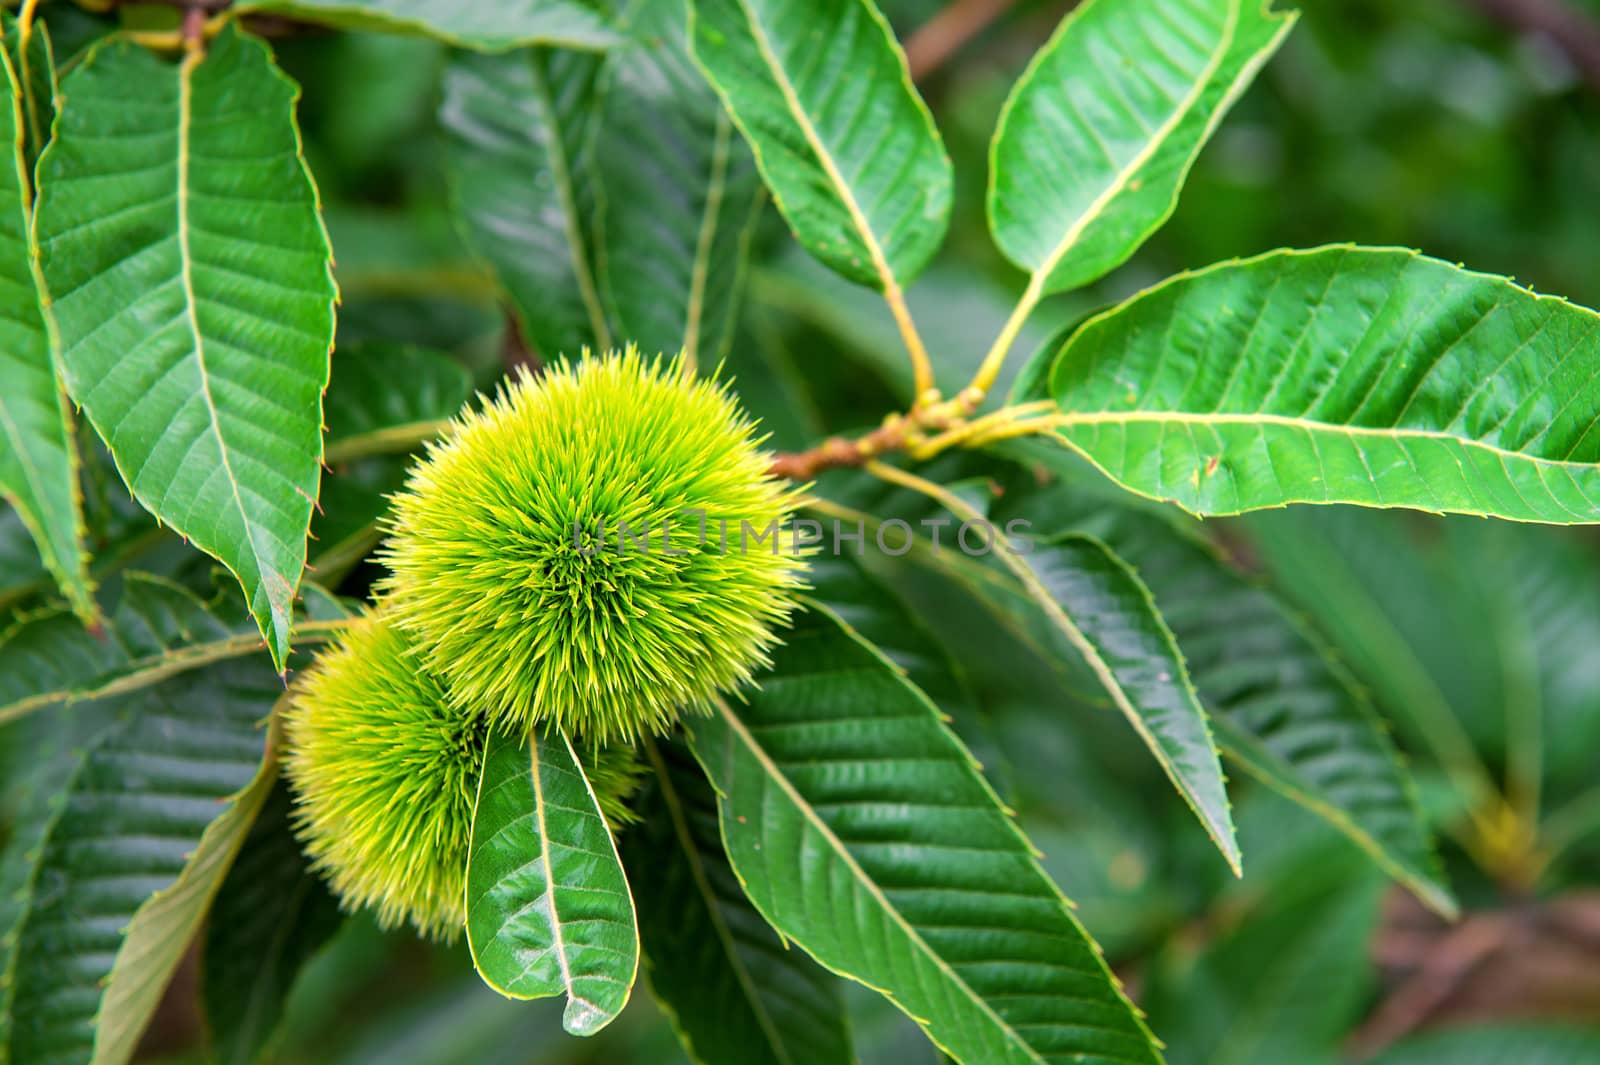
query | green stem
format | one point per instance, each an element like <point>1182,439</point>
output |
<point>989,371</point>
<point>395,439</point>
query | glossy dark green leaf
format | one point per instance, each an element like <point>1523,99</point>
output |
<point>852,157</point>
<point>1283,709</point>
<point>1100,132</point>
<point>1098,603</point>
<point>157,631</point>
<point>490,27</point>
<point>38,448</point>
<point>189,284</point>
<point>1133,651</point>
<point>35,788</point>
<point>678,194</point>
<point>270,916</point>
<point>863,831</point>
<point>548,906</point>
<point>735,992</point>
<point>520,129</point>
<point>1341,375</point>
<point>145,821</point>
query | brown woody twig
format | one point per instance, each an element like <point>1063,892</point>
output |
<point>943,35</point>
<point>896,433</point>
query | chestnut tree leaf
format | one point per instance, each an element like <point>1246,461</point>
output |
<point>157,630</point>
<point>519,130</point>
<point>864,832</point>
<point>271,915</point>
<point>139,824</point>
<point>548,906</point>
<point>1099,133</point>
<point>1099,605</point>
<point>1283,707</point>
<point>1341,375</point>
<point>678,194</point>
<point>38,445</point>
<point>821,91</point>
<point>33,61</point>
<point>189,285</point>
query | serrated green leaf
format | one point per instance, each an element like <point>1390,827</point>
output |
<point>190,288</point>
<point>157,631</point>
<point>381,393</point>
<point>56,747</point>
<point>270,916</point>
<point>1133,651</point>
<point>678,194</point>
<point>863,831</point>
<point>821,91</point>
<point>493,27</point>
<point>520,130</point>
<point>38,445</point>
<point>1103,609</point>
<point>548,906</point>
<point>139,842</point>
<point>1341,375</point>
<point>735,992</point>
<point>1283,709</point>
<point>1099,134</point>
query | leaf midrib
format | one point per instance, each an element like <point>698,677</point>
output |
<point>557,939</point>
<point>775,773</point>
<point>186,70</point>
<point>715,193</point>
<point>152,669</point>
<point>1312,425</point>
<point>561,169</point>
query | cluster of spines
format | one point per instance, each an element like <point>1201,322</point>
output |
<point>583,550</point>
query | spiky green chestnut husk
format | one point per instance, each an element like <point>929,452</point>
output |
<point>384,771</point>
<point>510,573</point>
